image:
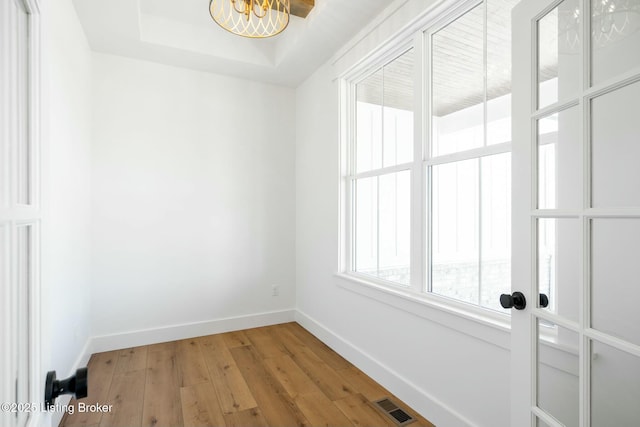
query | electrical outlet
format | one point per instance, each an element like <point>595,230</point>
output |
<point>275,290</point>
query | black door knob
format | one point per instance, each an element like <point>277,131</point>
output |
<point>75,384</point>
<point>544,300</point>
<point>515,300</point>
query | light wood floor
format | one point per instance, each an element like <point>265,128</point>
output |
<point>273,376</point>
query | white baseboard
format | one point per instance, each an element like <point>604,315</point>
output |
<point>188,330</point>
<point>83,357</point>
<point>425,403</point>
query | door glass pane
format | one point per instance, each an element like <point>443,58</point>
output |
<point>23,143</point>
<point>615,387</point>
<point>540,423</point>
<point>24,277</point>
<point>615,247</point>
<point>615,37</point>
<point>616,148</point>
<point>559,264</point>
<point>369,123</point>
<point>559,46</point>
<point>499,70</point>
<point>395,222</point>
<point>398,110</point>
<point>455,238</point>
<point>560,161</point>
<point>366,226</point>
<point>495,277</point>
<point>558,373</point>
<point>4,283</point>
<point>458,85</point>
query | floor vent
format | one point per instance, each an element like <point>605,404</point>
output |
<point>390,409</point>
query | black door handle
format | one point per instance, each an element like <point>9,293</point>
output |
<point>544,301</point>
<point>515,300</point>
<point>518,301</point>
<point>75,384</point>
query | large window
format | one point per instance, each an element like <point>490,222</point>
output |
<point>429,171</point>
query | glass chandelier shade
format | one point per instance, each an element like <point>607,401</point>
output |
<point>251,18</point>
<point>611,22</point>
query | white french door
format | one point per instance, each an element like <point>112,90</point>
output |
<point>576,213</point>
<point>20,214</point>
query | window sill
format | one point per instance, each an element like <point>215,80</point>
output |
<point>465,319</point>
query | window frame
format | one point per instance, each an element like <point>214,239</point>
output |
<point>419,292</point>
<point>350,175</point>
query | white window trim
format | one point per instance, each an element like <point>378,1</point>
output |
<point>479,322</point>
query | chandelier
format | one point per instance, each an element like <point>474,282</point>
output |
<point>251,18</point>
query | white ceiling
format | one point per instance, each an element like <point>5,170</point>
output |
<point>181,33</point>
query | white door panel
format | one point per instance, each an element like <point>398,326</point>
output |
<point>20,215</point>
<point>576,219</point>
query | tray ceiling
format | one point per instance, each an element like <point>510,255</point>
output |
<point>181,33</point>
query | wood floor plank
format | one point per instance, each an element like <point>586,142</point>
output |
<point>290,376</point>
<point>236,339</point>
<point>231,388</point>
<point>289,342</point>
<point>131,359</point>
<point>191,364</point>
<point>100,373</point>
<point>162,391</point>
<point>126,396</point>
<point>248,418</point>
<point>263,341</point>
<point>422,422</point>
<point>322,350</point>
<point>276,405</point>
<point>163,346</point>
<point>363,383</point>
<point>326,378</point>
<point>200,407</point>
<point>320,410</point>
<point>361,412</point>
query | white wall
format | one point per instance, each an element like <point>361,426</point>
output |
<point>193,202</point>
<point>66,114</point>
<point>450,376</point>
